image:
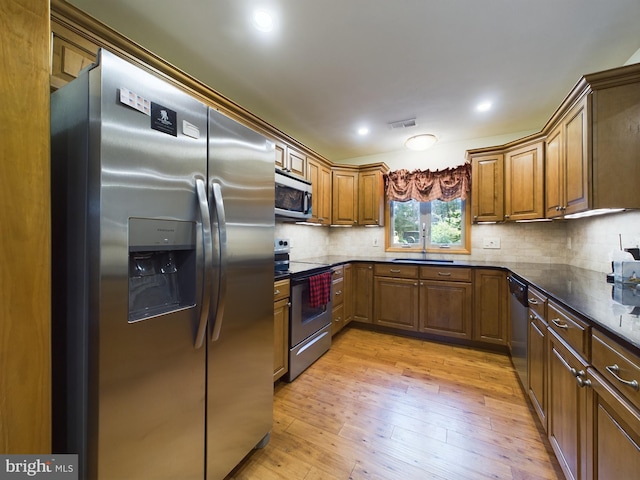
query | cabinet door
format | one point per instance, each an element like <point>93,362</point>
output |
<point>348,294</point>
<point>524,187</point>
<point>445,308</point>
<point>487,188</point>
<point>576,197</point>
<point>554,174</point>
<point>71,53</point>
<point>345,200</point>
<point>490,306</point>
<point>396,303</point>
<point>320,177</point>
<point>371,198</point>
<point>281,156</point>
<point>537,366</point>
<point>280,338</point>
<point>362,292</point>
<point>567,403</point>
<point>296,163</point>
<point>614,432</point>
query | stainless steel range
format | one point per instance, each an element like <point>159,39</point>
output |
<point>310,311</point>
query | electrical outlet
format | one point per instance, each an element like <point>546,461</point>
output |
<point>569,243</point>
<point>491,242</point>
<point>375,242</point>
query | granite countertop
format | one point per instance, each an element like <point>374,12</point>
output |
<point>611,308</point>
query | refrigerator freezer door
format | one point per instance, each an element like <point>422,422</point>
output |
<point>240,361</point>
<point>136,402</point>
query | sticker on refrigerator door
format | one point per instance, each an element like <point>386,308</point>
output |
<point>135,101</point>
<point>190,130</point>
<point>163,119</point>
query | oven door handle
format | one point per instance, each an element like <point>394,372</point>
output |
<point>222,241</point>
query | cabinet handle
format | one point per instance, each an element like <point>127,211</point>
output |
<point>391,270</point>
<point>532,301</point>
<point>444,274</point>
<point>559,324</point>
<point>507,216</point>
<point>339,292</point>
<point>338,319</point>
<point>369,267</point>
<point>415,284</point>
<point>576,373</point>
<point>277,292</point>
<point>615,370</point>
<point>582,382</point>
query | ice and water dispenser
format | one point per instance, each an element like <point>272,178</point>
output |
<point>162,267</point>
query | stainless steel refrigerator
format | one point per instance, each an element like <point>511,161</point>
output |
<point>162,303</point>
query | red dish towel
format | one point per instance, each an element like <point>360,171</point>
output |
<point>319,289</point>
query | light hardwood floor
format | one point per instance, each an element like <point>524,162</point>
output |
<point>384,407</point>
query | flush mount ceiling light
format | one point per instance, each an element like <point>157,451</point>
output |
<point>483,107</point>
<point>363,131</point>
<point>420,142</point>
<point>263,20</point>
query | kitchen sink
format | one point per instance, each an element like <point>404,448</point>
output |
<point>420,260</point>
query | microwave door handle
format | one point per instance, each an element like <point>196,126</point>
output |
<point>207,247</point>
<point>307,202</point>
<point>218,203</point>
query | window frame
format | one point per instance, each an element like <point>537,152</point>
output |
<point>464,249</point>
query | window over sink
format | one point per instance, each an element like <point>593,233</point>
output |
<point>434,226</point>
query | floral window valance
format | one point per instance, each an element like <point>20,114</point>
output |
<point>426,186</point>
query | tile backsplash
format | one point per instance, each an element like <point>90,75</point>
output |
<point>585,242</point>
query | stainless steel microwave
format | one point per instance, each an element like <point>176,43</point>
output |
<point>293,197</point>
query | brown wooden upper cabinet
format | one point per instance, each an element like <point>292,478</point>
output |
<point>319,174</point>
<point>524,187</point>
<point>584,159</point>
<point>487,192</point>
<point>371,196</point>
<point>345,196</point>
<point>71,53</point>
<point>566,164</point>
<point>290,160</point>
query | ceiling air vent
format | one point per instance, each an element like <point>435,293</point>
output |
<point>411,122</point>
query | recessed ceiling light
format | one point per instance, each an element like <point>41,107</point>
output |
<point>263,20</point>
<point>421,142</point>
<point>483,107</point>
<point>363,131</point>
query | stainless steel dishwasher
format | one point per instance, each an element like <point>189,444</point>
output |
<point>519,338</point>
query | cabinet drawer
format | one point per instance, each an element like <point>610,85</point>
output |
<point>570,328</point>
<point>537,303</point>
<point>402,271</point>
<point>338,292</point>
<point>337,272</point>
<point>281,289</point>
<point>451,274</point>
<point>619,366</point>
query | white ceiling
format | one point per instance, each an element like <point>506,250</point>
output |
<point>334,65</point>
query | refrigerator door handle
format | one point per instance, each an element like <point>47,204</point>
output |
<point>207,243</point>
<point>222,235</point>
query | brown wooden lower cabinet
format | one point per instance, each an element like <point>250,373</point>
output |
<point>362,288</point>
<point>281,304</point>
<point>490,306</point>
<point>445,308</point>
<point>567,407</point>
<point>396,303</point>
<point>613,432</point>
<point>537,366</point>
